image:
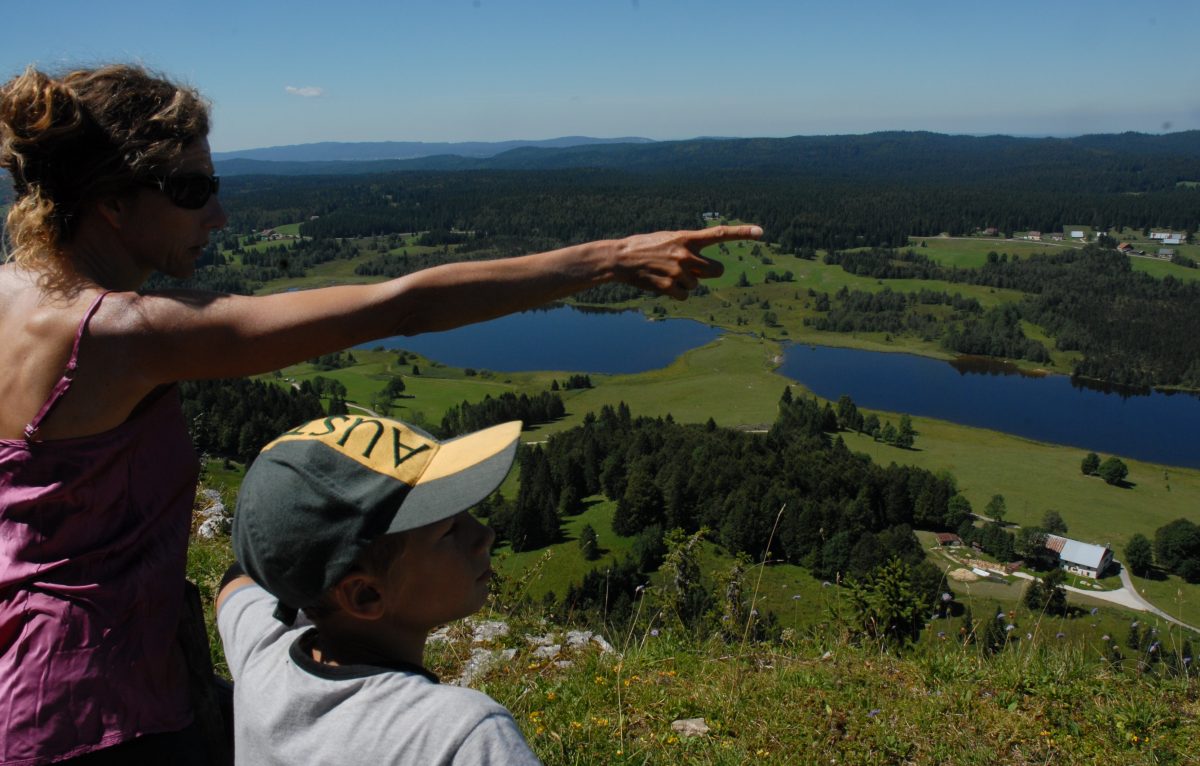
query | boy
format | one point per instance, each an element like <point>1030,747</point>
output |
<point>362,523</point>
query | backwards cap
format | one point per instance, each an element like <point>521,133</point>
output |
<point>317,496</point>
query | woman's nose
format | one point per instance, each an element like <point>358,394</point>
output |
<point>217,217</point>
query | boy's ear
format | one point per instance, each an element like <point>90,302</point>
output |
<point>358,596</point>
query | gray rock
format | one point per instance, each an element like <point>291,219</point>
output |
<point>490,630</point>
<point>690,727</point>
<point>481,661</point>
<point>547,652</point>
<point>215,526</point>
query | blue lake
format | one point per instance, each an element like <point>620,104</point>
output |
<point>561,338</point>
<point>1156,427</point>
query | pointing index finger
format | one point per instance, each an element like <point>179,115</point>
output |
<point>705,237</point>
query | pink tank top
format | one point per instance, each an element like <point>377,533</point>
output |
<point>93,541</point>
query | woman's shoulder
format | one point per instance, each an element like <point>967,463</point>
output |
<point>28,310</point>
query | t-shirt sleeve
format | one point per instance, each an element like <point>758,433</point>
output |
<point>246,622</point>
<point>496,741</point>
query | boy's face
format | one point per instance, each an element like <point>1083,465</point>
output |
<point>442,574</point>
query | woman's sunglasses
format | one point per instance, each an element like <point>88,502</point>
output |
<point>189,191</point>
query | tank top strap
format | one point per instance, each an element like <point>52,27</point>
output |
<point>64,383</point>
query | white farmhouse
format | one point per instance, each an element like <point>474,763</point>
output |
<point>1169,237</point>
<point>1080,558</point>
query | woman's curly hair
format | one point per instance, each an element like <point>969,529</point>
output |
<point>67,140</point>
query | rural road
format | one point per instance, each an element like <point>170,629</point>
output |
<point>1131,591</point>
<point>1120,597</point>
<point>1126,596</point>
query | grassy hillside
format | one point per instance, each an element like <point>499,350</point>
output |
<point>823,700</point>
<point>814,696</point>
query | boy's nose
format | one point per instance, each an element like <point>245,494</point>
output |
<point>486,535</point>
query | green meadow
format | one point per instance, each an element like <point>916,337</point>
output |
<point>733,381</point>
<point>971,252</point>
<point>428,393</point>
<point>1159,268</point>
<point>1035,477</point>
<point>730,380</point>
<point>289,229</point>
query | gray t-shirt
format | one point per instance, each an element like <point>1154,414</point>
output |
<point>290,709</point>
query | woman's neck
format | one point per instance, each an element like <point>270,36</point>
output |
<point>104,266</point>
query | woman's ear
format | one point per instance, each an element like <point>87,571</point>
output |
<point>113,208</point>
<point>357,595</point>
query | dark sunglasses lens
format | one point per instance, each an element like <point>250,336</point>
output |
<point>191,192</point>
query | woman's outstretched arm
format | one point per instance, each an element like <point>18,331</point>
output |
<point>171,336</point>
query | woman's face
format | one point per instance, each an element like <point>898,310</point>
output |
<point>162,236</point>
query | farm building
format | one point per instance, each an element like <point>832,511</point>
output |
<point>948,538</point>
<point>1080,558</point>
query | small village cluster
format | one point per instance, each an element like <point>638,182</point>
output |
<point>1159,239</point>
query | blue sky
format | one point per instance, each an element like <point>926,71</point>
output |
<point>458,70</point>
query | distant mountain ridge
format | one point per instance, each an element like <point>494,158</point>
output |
<point>913,156</point>
<point>365,151</point>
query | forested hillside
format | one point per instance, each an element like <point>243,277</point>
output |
<point>1133,329</point>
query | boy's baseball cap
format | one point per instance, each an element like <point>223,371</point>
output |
<point>318,495</point>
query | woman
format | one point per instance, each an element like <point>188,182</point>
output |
<point>114,181</point>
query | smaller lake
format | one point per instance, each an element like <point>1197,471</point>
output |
<point>561,338</point>
<point>1158,427</point>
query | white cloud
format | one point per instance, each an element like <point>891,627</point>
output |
<point>307,91</point>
